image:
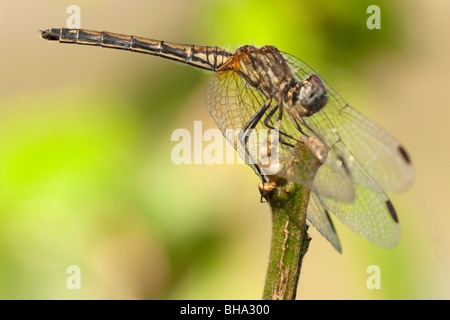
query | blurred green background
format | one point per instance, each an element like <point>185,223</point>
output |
<point>86,176</point>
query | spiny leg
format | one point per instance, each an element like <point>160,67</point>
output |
<point>244,135</point>
<point>269,117</point>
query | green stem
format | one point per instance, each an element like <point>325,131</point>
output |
<point>290,240</point>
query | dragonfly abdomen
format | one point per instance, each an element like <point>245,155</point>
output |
<point>205,57</point>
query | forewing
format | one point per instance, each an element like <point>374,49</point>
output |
<point>230,101</point>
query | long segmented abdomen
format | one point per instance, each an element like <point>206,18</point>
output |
<point>205,57</point>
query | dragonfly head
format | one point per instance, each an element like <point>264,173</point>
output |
<point>312,95</point>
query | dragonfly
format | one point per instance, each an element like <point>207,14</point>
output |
<point>256,89</point>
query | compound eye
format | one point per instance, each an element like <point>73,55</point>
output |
<point>313,95</point>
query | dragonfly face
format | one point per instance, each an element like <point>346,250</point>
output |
<point>312,95</point>
<point>354,161</point>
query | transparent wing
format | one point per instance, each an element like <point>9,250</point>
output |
<point>361,142</point>
<point>318,216</point>
<point>232,104</point>
<point>371,215</point>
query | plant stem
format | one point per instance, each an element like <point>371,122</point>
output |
<point>290,240</point>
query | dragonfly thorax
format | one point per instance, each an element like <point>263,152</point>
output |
<point>263,68</point>
<point>267,70</point>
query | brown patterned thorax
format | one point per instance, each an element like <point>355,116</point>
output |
<point>263,68</point>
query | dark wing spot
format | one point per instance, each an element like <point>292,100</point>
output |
<point>392,210</point>
<point>339,249</point>
<point>404,154</point>
<point>329,220</point>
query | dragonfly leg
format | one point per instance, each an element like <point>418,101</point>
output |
<point>280,116</point>
<point>299,128</point>
<point>251,124</point>
<point>244,135</point>
<point>309,128</point>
